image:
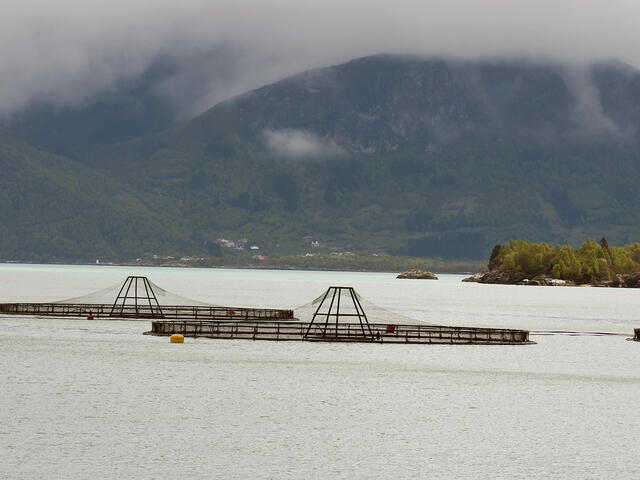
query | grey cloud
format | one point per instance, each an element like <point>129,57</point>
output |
<point>300,144</point>
<point>67,50</point>
<point>200,79</point>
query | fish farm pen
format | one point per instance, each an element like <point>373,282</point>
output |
<point>142,312</point>
<point>137,299</point>
<point>375,333</point>
<point>336,316</point>
<point>340,317</point>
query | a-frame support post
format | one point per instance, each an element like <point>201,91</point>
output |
<point>338,313</point>
<point>120,304</point>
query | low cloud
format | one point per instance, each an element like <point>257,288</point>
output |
<point>65,51</point>
<point>300,144</point>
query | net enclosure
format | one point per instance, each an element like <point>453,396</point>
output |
<point>139,298</point>
<point>346,305</point>
<point>341,315</point>
<point>134,290</point>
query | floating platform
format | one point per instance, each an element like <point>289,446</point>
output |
<point>137,299</point>
<point>346,332</point>
<point>334,320</point>
<point>337,316</point>
<point>142,312</point>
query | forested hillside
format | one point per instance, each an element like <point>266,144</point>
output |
<point>403,155</point>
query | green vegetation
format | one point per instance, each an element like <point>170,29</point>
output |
<point>358,261</point>
<point>53,209</point>
<point>591,263</point>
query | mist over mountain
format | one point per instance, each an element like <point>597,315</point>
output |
<point>67,52</point>
<point>403,154</point>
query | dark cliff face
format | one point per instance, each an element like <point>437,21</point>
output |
<point>403,154</point>
<point>372,105</point>
<point>383,103</point>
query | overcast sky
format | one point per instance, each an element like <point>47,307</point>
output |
<point>65,50</point>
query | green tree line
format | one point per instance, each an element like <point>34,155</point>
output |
<point>591,262</point>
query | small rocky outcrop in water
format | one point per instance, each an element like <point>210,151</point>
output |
<point>418,274</point>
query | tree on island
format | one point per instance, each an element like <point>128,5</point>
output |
<point>595,263</point>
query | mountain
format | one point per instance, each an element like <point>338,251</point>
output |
<point>407,155</point>
<point>57,209</point>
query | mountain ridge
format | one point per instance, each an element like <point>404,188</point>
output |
<point>397,154</point>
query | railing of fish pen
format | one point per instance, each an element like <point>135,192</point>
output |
<point>54,309</point>
<point>346,332</point>
<point>142,311</point>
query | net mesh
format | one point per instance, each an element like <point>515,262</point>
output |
<point>344,302</point>
<point>108,295</point>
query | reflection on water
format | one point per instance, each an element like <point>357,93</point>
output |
<point>98,399</point>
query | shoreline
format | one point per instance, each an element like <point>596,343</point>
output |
<point>542,280</point>
<point>441,267</point>
<point>224,267</point>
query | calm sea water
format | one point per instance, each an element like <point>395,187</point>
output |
<point>97,399</point>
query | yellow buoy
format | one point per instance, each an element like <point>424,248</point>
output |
<point>177,338</point>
